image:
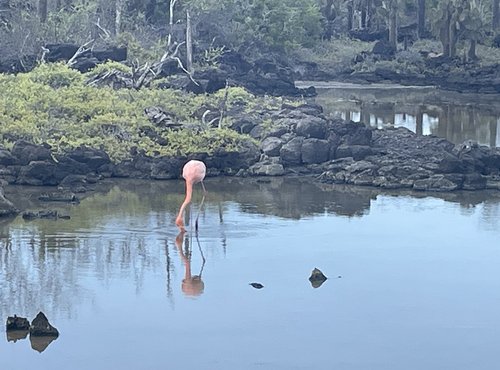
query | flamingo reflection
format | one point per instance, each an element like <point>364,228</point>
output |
<point>192,285</point>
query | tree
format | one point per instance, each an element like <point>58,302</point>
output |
<point>278,24</point>
<point>421,18</point>
<point>42,10</point>
<point>446,25</point>
<point>389,11</point>
<point>496,14</point>
<point>472,22</point>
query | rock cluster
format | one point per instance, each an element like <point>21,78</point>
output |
<point>303,141</point>
<point>295,139</point>
<point>41,332</point>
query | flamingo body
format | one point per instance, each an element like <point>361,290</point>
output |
<point>193,172</point>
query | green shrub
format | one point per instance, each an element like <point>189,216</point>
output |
<point>52,104</point>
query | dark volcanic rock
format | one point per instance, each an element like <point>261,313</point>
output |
<point>17,323</point>
<point>267,167</point>
<point>62,196</point>
<point>271,146</point>
<point>6,158</point>
<point>291,152</point>
<point>40,173</point>
<point>315,151</point>
<point>40,327</point>
<point>317,278</point>
<point>26,152</point>
<point>93,158</point>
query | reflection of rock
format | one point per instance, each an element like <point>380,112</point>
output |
<point>317,278</point>
<point>17,323</point>
<point>40,344</point>
<point>7,208</point>
<point>40,326</point>
<point>15,335</point>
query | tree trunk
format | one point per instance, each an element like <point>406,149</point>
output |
<point>369,13</point>
<point>421,19</point>
<point>42,10</point>
<point>150,10</point>
<point>444,33</point>
<point>364,5</point>
<point>471,55</point>
<point>453,39</point>
<point>118,16</point>
<point>393,25</point>
<point>189,44</point>
<point>170,22</point>
<point>350,15</point>
<point>496,14</point>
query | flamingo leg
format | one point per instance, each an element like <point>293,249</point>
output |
<point>199,211</point>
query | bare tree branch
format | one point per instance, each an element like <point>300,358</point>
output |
<point>81,50</point>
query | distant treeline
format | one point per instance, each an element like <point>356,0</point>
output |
<point>247,25</point>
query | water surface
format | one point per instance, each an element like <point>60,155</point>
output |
<point>419,286</point>
<point>424,110</point>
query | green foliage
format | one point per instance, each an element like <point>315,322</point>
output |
<point>280,24</point>
<point>52,104</point>
<point>55,75</point>
<point>108,67</point>
<point>333,56</point>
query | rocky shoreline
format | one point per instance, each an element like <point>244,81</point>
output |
<point>301,141</point>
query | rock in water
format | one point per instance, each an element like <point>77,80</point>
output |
<point>40,326</point>
<point>317,278</point>
<point>257,285</point>
<point>17,323</point>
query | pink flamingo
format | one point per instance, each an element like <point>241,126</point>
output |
<point>193,172</point>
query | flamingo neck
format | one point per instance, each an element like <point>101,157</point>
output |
<point>187,200</point>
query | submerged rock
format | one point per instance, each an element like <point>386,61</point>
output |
<point>317,278</point>
<point>40,326</point>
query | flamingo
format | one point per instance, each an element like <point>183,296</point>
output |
<point>193,172</point>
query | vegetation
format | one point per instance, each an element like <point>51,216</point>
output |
<point>53,104</point>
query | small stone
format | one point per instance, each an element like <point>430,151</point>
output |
<point>17,323</point>
<point>257,285</point>
<point>40,326</point>
<point>317,278</point>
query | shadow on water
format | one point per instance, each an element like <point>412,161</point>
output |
<point>117,231</point>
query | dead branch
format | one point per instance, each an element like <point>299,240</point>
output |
<point>102,29</point>
<point>81,50</point>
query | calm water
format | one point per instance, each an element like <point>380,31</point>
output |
<point>426,111</point>
<point>419,286</point>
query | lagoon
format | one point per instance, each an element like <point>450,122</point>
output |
<point>413,278</point>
